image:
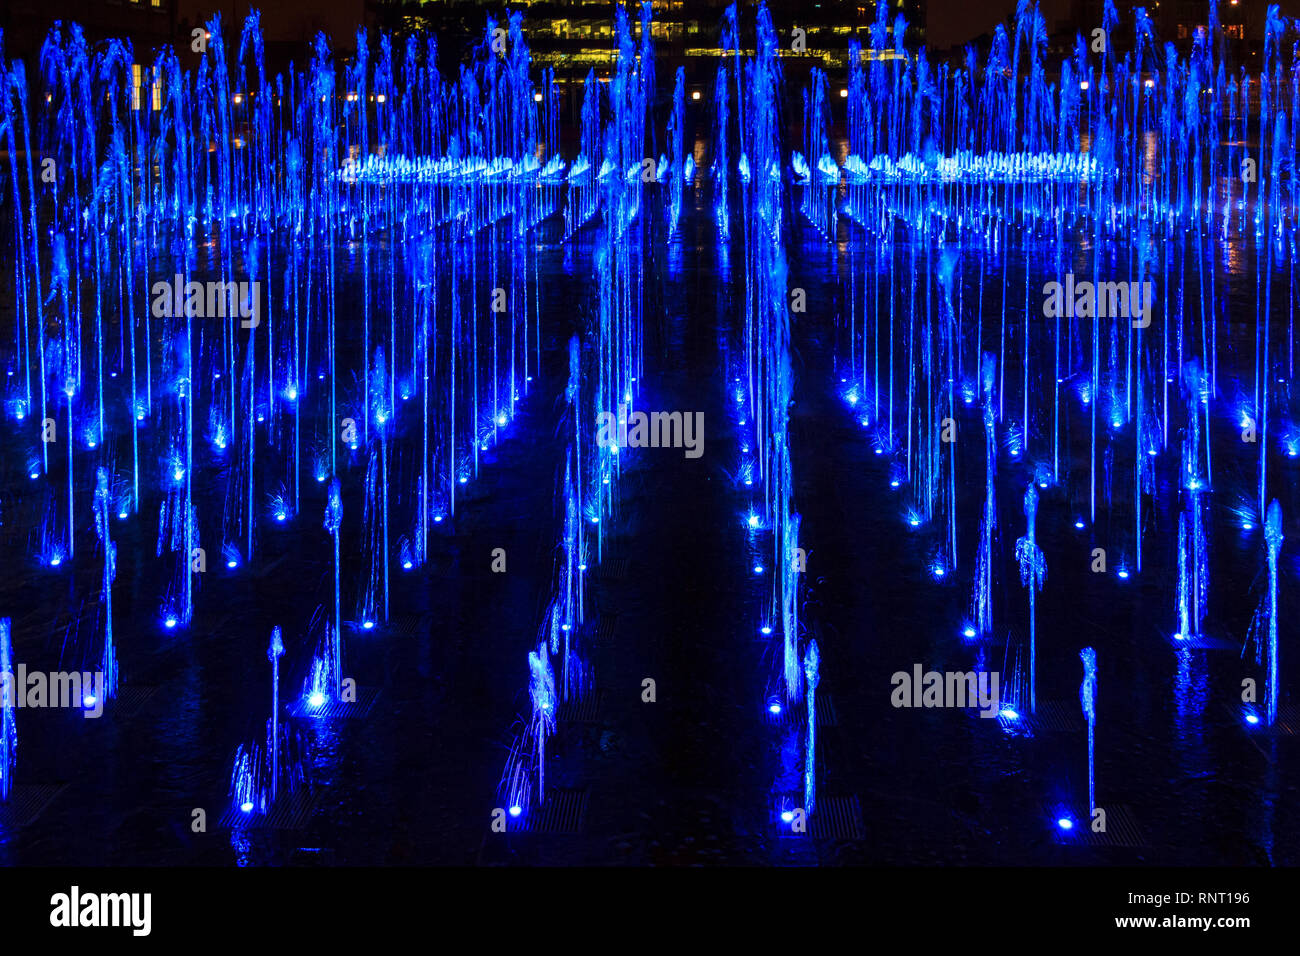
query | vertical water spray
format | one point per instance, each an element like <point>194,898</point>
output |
<point>333,521</point>
<point>812,677</point>
<point>108,660</point>
<point>1033,572</point>
<point>1088,700</point>
<point>274,652</point>
<point>8,702</point>
<point>1273,538</point>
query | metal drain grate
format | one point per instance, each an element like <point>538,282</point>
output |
<point>131,699</point>
<point>611,569</point>
<point>581,710</point>
<point>1054,717</point>
<point>1203,642</point>
<point>600,632</point>
<point>1288,718</point>
<point>1122,829</point>
<point>565,811</point>
<point>798,716</point>
<point>837,818</point>
<point>289,813</point>
<point>1287,724</point>
<point>834,818</point>
<point>411,625</point>
<point>337,709</point>
<point>26,802</point>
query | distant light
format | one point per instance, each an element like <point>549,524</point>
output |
<point>1123,573</point>
<point>246,807</point>
<point>56,561</point>
<point>1247,526</point>
<point>279,516</point>
<point>89,700</point>
<point>765,630</point>
<point>1252,718</point>
<point>537,97</point>
<point>753,521</point>
<point>1078,523</point>
<point>774,708</point>
<point>695,94</point>
<point>407,565</point>
<point>758,569</point>
<point>367,625</point>
<point>316,699</point>
<point>968,632</point>
<point>516,810</point>
<point>170,622</point>
<point>1065,823</point>
<point>844,94</point>
<point>1008,713</point>
<point>501,419</point>
<point>787,816</point>
<point>122,515</point>
<point>232,564</point>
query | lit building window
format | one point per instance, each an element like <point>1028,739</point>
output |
<point>137,79</point>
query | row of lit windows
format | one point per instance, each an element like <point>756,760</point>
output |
<point>597,57</point>
<point>564,29</point>
<point>137,85</point>
<point>1234,31</point>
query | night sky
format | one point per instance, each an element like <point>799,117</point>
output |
<point>953,22</point>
